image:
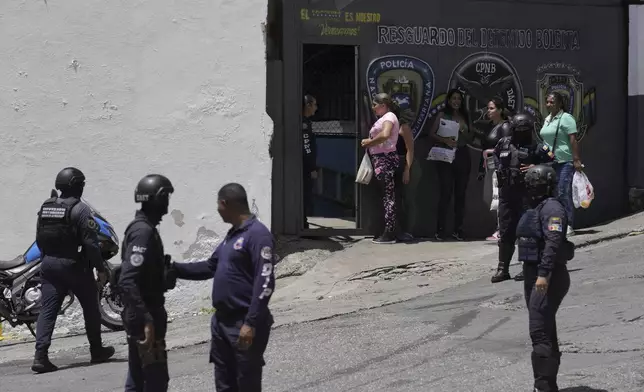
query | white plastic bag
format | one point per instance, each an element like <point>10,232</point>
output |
<point>365,171</point>
<point>582,190</point>
<point>494,205</point>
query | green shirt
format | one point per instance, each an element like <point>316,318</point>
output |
<point>567,126</point>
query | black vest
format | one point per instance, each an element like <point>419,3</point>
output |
<point>56,234</point>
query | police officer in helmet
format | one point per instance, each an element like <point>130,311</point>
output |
<point>514,153</point>
<point>544,251</point>
<point>143,281</point>
<point>67,237</point>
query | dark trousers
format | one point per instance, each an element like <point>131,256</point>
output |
<point>58,278</point>
<point>146,371</point>
<point>542,311</point>
<point>509,212</point>
<point>453,179</point>
<point>401,205</point>
<point>237,370</point>
<point>307,196</point>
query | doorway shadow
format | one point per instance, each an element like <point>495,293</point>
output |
<point>582,389</point>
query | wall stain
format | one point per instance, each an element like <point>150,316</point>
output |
<point>178,217</point>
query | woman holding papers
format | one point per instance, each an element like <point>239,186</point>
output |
<point>451,131</point>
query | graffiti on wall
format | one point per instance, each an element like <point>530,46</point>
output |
<point>336,23</point>
<point>409,81</point>
<point>484,38</point>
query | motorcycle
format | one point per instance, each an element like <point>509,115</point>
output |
<point>20,286</point>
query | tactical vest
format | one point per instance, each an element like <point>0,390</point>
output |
<point>530,236</point>
<point>508,163</point>
<point>531,239</point>
<point>56,234</point>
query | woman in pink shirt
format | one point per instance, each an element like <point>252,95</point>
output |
<point>382,149</point>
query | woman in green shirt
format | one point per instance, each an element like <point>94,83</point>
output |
<point>559,131</point>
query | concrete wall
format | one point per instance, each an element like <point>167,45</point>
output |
<point>121,89</point>
<point>636,94</point>
<point>437,46</point>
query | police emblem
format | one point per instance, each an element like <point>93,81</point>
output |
<point>239,243</point>
<point>481,77</point>
<point>267,253</point>
<point>409,81</point>
<point>564,79</point>
<point>136,259</point>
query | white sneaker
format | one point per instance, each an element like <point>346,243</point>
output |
<point>570,232</point>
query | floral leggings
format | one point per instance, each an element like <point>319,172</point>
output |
<point>384,166</point>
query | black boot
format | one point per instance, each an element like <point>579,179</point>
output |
<point>545,372</point>
<point>519,277</point>
<point>505,256</point>
<point>101,354</point>
<point>42,364</point>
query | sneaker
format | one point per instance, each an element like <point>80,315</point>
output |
<point>457,235</point>
<point>405,237</point>
<point>494,237</point>
<point>570,232</point>
<point>439,237</point>
<point>519,277</point>
<point>386,238</point>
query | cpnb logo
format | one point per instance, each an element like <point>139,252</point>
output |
<point>409,81</point>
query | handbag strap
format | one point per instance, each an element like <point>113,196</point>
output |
<point>554,144</point>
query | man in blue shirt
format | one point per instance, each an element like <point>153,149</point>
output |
<point>242,271</point>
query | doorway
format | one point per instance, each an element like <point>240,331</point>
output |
<point>330,138</point>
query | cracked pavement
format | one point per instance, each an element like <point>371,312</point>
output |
<point>465,338</point>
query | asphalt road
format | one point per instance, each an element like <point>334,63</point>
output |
<point>470,338</point>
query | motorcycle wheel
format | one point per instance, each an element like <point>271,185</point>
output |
<point>110,307</point>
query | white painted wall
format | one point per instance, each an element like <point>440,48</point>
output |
<point>169,86</point>
<point>636,50</point>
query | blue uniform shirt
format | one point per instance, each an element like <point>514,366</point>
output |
<point>242,271</point>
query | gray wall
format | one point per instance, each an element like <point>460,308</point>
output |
<point>636,93</point>
<point>588,61</point>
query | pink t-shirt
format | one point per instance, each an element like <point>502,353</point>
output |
<point>388,145</point>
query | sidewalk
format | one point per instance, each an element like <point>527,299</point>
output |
<point>367,275</point>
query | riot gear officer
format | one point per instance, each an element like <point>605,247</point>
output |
<point>514,153</point>
<point>65,224</point>
<point>544,251</point>
<point>143,280</point>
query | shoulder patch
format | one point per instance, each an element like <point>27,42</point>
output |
<point>239,243</point>
<point>266,253</point>
<point>136,259</point>
<point>554,224</point>
<point>91,223</point>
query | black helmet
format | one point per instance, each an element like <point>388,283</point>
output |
<point>522,128</point>
<point>541,181</point>
<point>70,178</point>
<point>153,187</point>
